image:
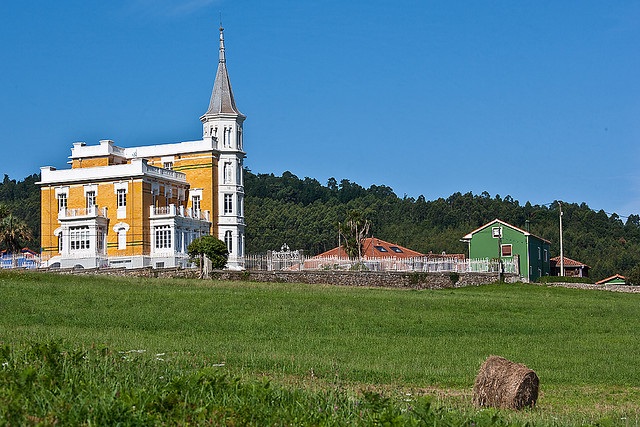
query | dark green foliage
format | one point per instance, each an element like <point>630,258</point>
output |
<point>22,200</point>
<point>633,278</point>
<point>212,247</point>
<point>305,215</point>
<point>454,277</point>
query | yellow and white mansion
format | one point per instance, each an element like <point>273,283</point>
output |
<point>142,206</point>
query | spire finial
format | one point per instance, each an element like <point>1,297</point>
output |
<point>222,56</point>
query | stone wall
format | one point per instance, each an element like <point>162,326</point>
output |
<point>406,280</point>
<point>366,278</point>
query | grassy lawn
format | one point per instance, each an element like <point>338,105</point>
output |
<point>584,345</point>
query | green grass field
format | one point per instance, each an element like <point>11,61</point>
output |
<point>584,345</point>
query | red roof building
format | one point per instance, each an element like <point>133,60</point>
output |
<point>375,248</point>
<point>572,268</point>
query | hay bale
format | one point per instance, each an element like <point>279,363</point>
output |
<point>502,383</point>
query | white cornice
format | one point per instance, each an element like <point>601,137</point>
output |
<point>107,147</point>
<point>137,168</point>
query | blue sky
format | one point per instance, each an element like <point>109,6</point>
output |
<point>539,100</point>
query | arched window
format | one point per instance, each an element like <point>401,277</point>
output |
<point>122,238</point>
<point>121,229</point>
<point>58,233</point>
<point>228,240</point>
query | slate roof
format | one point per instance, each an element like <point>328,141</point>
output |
<point>222,101</point>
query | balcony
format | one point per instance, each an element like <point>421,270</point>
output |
<point>180,211</point>
<point>82,213</point>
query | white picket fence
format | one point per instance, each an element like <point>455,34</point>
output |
<point>417,264</point>
<point>20,260</point>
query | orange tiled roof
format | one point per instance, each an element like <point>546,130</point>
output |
<point>568,262</point>
<point>375,248</point>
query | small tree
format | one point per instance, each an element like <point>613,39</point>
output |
<point>353,231</point>
<point>211,247</point>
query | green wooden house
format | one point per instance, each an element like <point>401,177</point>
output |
<point>502,241</point>
<point>616,279</point>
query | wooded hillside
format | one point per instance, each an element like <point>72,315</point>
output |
<point>305,214</point>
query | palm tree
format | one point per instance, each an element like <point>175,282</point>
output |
<point>13,232</point>
<point>355,228</point>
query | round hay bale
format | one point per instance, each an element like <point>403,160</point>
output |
<point>502,383</point>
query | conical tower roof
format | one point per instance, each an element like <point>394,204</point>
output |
<point>222,101</point>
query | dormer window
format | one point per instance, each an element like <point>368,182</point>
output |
<point>167,162</point>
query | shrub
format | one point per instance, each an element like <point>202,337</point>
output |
<point>212,247</point>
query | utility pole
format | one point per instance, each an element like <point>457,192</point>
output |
<point>561,248</point>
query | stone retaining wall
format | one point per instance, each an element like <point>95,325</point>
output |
<point>409,280</point>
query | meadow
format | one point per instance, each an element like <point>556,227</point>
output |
<point>82,349</point>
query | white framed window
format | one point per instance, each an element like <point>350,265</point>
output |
<point>228,240</point>
<point>122,238</point>
<point>228,203</point>
<point>228,173</point>
<point>90,193</point>
<point>496,232</point>
<point>59,234</point>
<point>121,196</point>
<point>195,202</point>
<point>100,240</point>
<point>155,192</point>
<point>506,250</point>
<point>79,238</point>
<point>62,195</point>
<point>62,201</point>
<point>121,229</point>
<point>539,253</point>
<point>546,255</point>
<point>167,162</point>
<point>163,237</point>
<point>90,198</point>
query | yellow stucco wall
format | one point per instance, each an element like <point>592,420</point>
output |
<point>201,173</point>
<point>49,221</point>
<point>201,170</point>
